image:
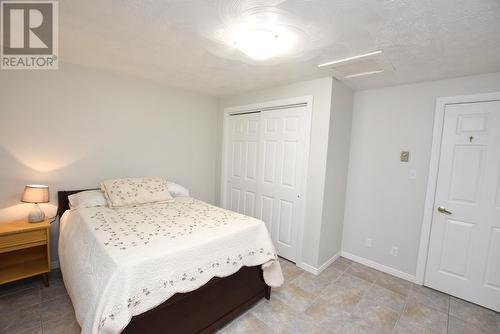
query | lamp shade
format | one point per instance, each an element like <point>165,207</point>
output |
<point>35,194</point>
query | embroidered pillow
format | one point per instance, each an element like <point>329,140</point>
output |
<point>135,191</point>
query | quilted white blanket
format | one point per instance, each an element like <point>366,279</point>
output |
<point>121,262</point>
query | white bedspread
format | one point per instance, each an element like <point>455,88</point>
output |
<point>121,262</point>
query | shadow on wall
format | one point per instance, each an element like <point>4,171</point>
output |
<point>62,168</point>
<point>15,173</point>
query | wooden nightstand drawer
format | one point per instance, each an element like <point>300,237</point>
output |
<point>18,240</point>
<point>24,250</point>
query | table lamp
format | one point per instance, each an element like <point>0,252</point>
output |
<point>35,194</point>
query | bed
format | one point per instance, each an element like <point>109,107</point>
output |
<point>97,272</point>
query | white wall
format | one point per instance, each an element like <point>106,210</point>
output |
<point>382,202</point>
<point>74,127</point>
<point>336,172</point>
<point>321,90</point>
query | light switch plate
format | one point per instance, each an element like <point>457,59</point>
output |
<point>404,156</point>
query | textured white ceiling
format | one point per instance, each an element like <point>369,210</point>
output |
<point>184,43</point>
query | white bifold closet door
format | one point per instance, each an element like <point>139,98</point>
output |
<point>265,157</point>
<point>244,141</point>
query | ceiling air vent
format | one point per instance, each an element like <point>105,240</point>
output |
<point>359,66</point>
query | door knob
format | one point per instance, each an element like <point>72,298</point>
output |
<point>442,209</point>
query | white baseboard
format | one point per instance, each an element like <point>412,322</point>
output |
<point>307,267</point>
<point>328,262</point>
<point>380,267</point>
<point>317,271</point>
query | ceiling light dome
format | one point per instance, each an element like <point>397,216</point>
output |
<point>262,43</point>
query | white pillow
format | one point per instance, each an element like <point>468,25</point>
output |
<point>87,199</point>
<point>176,190</point>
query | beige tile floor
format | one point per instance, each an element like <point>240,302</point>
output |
<point>346,298</point>
<point>351,298</point>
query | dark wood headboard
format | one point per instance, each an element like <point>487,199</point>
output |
<point>63,202</point>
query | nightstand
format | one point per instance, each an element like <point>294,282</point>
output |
<point>24,250</point>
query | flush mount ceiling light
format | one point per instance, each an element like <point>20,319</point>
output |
<point>262,42</point>
<point>359,66</point>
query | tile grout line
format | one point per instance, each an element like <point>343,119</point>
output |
<point>390,292</point>
<point>448,319</point>
<point>318,296</point>
<point>373,284</point>
<point>350,313</point>
<point>317,276</point>
<point>295,278</point>
<point>354,308</point>
<point>401,314</point>
<point>406,297</point>
<point>40,315</point>
<point>357,305</point>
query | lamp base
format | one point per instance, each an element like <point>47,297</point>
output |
<point>36,215</point>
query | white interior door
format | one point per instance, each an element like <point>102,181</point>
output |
<point>279,202</point>
<point>243,147</point>
<point>464,248</point>
<point>265,171</point>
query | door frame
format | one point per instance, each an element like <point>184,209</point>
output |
<point>308,100</point>
<point>437,134</point>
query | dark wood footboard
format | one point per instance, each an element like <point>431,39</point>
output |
<point>206,309</point>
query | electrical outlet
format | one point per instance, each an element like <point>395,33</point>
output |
<point>368,242</point>
<point>394,251</point>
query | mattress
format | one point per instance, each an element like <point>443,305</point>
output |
<point>121,262</point>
